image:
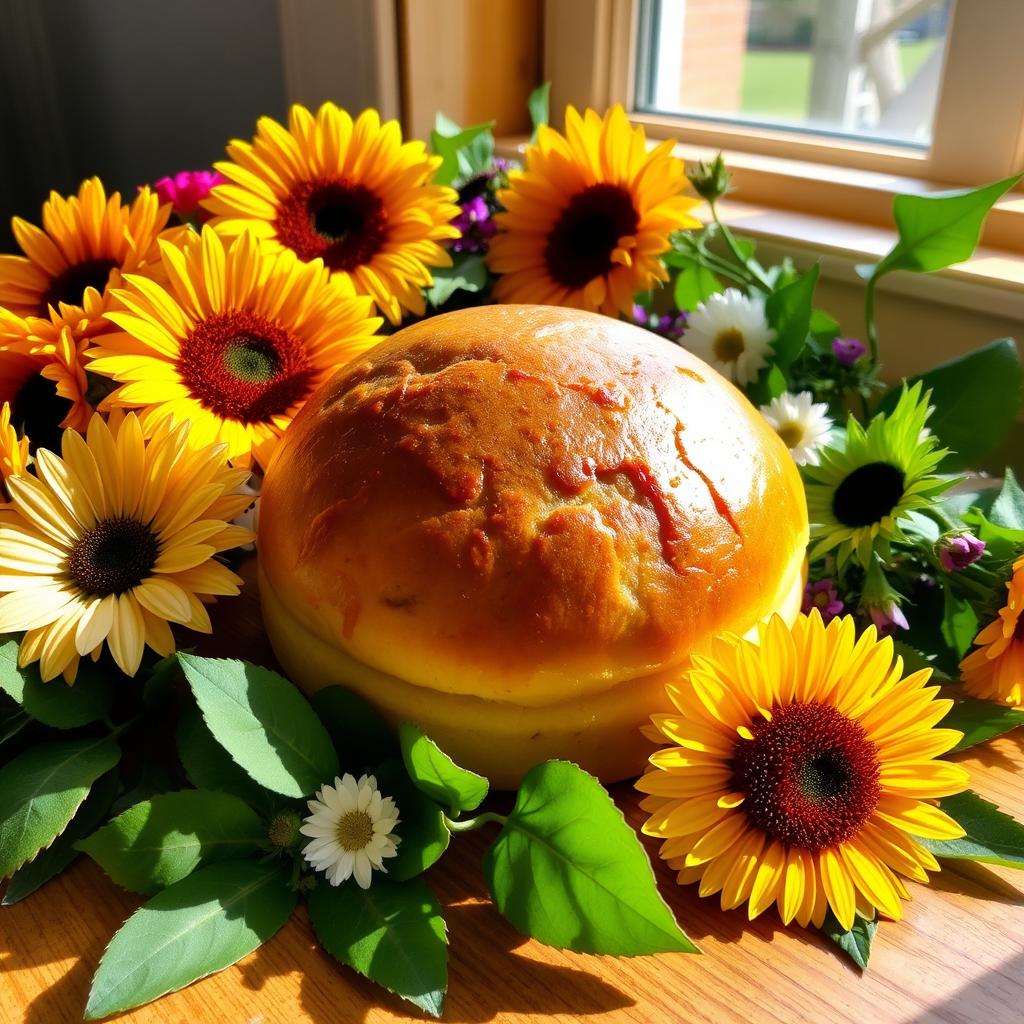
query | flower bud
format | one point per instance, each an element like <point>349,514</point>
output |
<point>283,830</point>
<point>959,551</point>
<point>710,181</point>
<point>847,350</point>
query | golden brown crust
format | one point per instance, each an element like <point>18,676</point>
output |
<point>526,503</point>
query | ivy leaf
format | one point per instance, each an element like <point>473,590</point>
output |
<point>424,835</point>
<point>263,722</point>
<point>464,152</point>
<point>538,104</point>
<point>198,926</point>
<point>61,852</point>
<point>856,942</point>
<point>40,791</point>
<point>392,934</point>
<point>1008,508</point>
<point>992,836</point>
<point>55,703</point>
<point>468,273</point>
<point>160,841</point>
<point>980,720</point>
<point>360,735</point>
<point>694,282</point>
<point>938,230</point>
<point>436,774</point>
<point>789,311</point>
<point>976,400</point>
<point>566,869</point>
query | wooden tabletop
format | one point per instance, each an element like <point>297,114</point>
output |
<point>958,956</point>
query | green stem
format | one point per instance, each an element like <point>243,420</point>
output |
<point>869,319</point>
<point>756,275</point>
<point>473,823</point>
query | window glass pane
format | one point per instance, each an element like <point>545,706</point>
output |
<point>863,68</point>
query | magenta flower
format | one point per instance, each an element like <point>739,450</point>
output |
<point>671,325</point>
<point>823,596</point>
<point>186,189</point>
<point>956,553</point>
<point>476,224</point>
<point>888,618</point>
<point>847,350</point>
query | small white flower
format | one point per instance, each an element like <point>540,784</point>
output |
<point>351,828</point>
<point>730,331</point>
<point>801,423</point>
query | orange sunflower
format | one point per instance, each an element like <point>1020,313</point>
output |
<point>589,217</point>
<point>350,193</point>
<point>86,242</point>
<point>13,450</point>
<point>995,669</point>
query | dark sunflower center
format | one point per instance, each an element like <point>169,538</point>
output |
<point>69,286</point>
<point>36,411</point>
<point>1018,632</point>
<point>342,223</point>
<point>810,776</point>
<point>112,557</point>
<point>868,494</point>
<point>244,367</point>
<point>580,245</point>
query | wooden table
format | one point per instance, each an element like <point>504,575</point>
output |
<point>958,956</point>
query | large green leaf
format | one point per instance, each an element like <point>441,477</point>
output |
<point>939,230</point>
<point>437,775</point>
<point>198,926</point>
<point>40,791</point>
<point>263,722</point>
<point>392,934</point>
<point>421,828</point>
<point>992,836</point>
<point>976,399</point>
<point>538,103</point>
<point>55,703</point>
<point>980,721</point>
<point>468,273</point>
<point>464,152</point>
<point>61,852</point>
<point>856,941</point>
<point>568,870</point>
<point>360,735</point>
<point>959,624</point>
<point>694,282</point>
<point>789,311</point>
<point>1008,508</point>
<point>160,841</point>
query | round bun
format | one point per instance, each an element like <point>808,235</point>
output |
<point>512,524</point>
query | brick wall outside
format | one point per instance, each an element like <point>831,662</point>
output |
<point>714,42</point>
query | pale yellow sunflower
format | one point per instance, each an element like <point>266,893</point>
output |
<point>589,216</point>
<point>86,242</point>
<point>114,541</point>
<point>802,772</point>
<point>235,343</point>
<point>350,193</point>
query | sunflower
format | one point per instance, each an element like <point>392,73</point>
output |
<point>13,449</point>
<point>589,216</point>
<point>235,343</point>
<point>995,669</point>
<point>73,262</point>
<point>115,541</point>
<point>870,479</point>
<point>802,768</point>
<point>349,193</point>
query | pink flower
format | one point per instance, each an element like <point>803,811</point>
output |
<point>957,553</point>
<point>823,596</point>
<point>186,189</point>
<point>888,618</point>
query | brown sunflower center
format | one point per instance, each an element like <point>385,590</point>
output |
<point>69,286</point>
<point>729,345</point>
<point>244,367</point>
<point>36,411</point>
<point>354,830</point>
<point>344,224</point>
<point>112,557</point>
<point>868,494</point>
<point>580,245</point>
<point>810,776</point>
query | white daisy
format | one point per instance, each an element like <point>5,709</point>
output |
<point>350,828</point>
<point>730,331</point>
<point>801,422</point>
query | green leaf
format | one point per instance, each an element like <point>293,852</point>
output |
<point>1008,508</point>
<point>467,273</point>
<point>915,660</point>
<point>436,774</point>
<point>55,703</point>
<point>938,230</point>
<point>992,836</point>
<point>263,722</point>
<point>360,735</point>
<point>40,791</point>
<point>160,841</point>
<point>976,399</point>
<point>856,942</point>
<point>823,326</point>
<point>209,766</point>
<point>980,720</point>
<point>198,926</point>
<point>694,283</point>
<point>392,934</point>
<point>538,104</point>
<point>424,835</point>
<point>959,624</point>
<point>568,870</point>
<point>789,311</point>
<point>61,852</point>
<point>464,152</point>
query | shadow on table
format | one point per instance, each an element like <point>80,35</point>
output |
<point>980,1000</point>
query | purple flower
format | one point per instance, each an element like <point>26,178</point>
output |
<point>823,596</point>
<point>476,224</point>
<point>186,189</point>
<point>847,350</point>
<point>669,325</point>
<point>888,618</point>
<point>958,552</point>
